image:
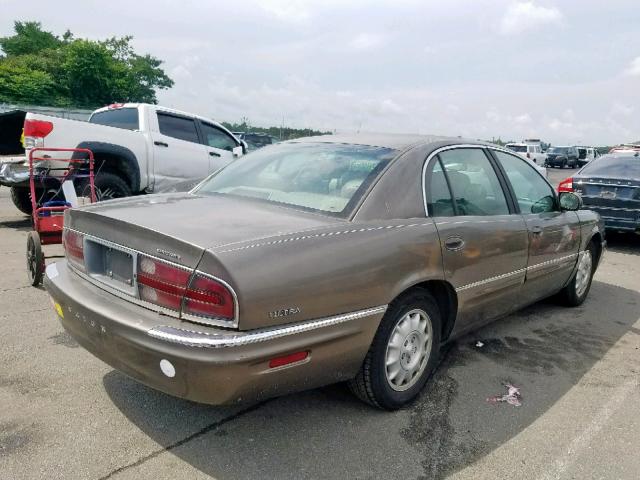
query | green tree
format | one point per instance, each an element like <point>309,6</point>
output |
<point>38,67</point>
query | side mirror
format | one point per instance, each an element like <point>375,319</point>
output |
<point>569,201</point>
<point>238,151</point>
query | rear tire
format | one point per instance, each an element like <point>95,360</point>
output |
<point>576,291</point>
<point>35,259</point>
<point>108,186</point>
<point>403,354</point>
<point>21,198</point>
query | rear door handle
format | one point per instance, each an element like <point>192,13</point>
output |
<point>536,230</point>
<point>160,144</point>
<point>215,154</point>
<point>454,243</point>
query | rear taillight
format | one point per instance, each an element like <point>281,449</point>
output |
<point>35,131</point>
<point>528,155</point>
<point>175,288</point>
<point>566,185</point>
<point>73,243</point>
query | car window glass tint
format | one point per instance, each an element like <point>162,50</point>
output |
<point>120,118</point>
<point>474,182</point>
<point>533,193</point>
<point>439,201</point>
<point>178,127</point>
<point>627,166</point>
<point>216,138</point>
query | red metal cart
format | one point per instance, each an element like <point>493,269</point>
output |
<point>49,207</point>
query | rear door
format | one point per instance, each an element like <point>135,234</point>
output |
<point>178,153</point>
<point>218,144</point>
<point>554,236</point>
<point>483,240</point>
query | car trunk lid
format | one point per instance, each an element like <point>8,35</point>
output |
<point>179,227</point>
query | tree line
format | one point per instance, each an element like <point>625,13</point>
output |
<point>38,67</point>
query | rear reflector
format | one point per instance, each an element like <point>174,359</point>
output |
<point>566,185</point>
<point>287,359</point>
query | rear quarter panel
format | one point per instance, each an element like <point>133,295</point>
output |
<point>326,271</point>
<point>71,133</point>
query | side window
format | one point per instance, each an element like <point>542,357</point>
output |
<point>533,193</point>
<point>439,201</point>
<point>473,181</point>
<point>178,127</point>
<point>216,138</point>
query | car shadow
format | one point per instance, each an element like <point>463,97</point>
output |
<point>544,349</point>
<point>20,224</point>
<point>627,243</point>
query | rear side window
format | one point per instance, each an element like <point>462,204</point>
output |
<point>216,138</point>
<point>439,201</point>
<point>126,118</point>
<point>473,182</point>
<point>178,127</point>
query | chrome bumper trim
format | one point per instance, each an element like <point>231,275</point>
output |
<point>236,339</point>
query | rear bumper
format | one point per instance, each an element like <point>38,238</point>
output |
<point>625,219</point>
<point>14,174</point>
<point>210,365</point>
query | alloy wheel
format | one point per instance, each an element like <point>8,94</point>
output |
<point>583,275</point>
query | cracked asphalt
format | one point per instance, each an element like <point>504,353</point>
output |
<point>64,414</point>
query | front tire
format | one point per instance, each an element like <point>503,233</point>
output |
<point>403,354</point>
<point>21,198</point>
<point>576,291</point>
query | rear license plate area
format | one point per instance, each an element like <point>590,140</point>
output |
<point>110,265</point>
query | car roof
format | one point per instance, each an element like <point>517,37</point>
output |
<point>395,141</point>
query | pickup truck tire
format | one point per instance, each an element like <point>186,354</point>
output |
<point>21,198</point>
<point>108,186</point>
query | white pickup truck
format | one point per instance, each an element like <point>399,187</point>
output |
<point>138,148</point>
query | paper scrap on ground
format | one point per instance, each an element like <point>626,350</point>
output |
<point>512,397</point>
<point>479,344</point>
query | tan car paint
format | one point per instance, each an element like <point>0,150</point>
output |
<point>314,266</point>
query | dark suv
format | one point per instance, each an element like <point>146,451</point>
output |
<point>562,157</point>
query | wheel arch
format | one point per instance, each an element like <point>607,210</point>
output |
<point>445,296</point>
<point>116,159</point>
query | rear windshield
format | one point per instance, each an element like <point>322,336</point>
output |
<point>323,177</point>
<point>120,118</point>
<point>613,166</point>
<point>517,148</point>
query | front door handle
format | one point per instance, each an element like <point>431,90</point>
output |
<point>536,230</point>
<point>454,243</point>
<point>215,154</point>
<point>160,144</point>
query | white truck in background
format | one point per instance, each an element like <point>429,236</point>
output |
<point>138,148</point>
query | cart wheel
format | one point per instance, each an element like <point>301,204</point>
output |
<point>35,259</point>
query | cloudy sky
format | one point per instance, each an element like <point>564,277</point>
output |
<point>565,71</point>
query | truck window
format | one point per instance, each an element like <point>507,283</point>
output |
<point>178,127</point>
<point>126,118</point>
<point>216,138</point>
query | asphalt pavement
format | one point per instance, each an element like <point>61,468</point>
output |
<point>65,414</point>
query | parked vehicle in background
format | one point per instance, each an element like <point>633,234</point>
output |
<point>562,157</point>
<point>530,151</point>
<point>625,148</point>
<point>321,260</point>
<point>586,154</point>
<point>254,141</point>
<point>610,185</point>
<point>137,148</point>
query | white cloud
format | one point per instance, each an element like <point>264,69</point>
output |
<point>366,41</point>
<point>621,109</point>
<point>524,16</point>
<point>634,67</point>
<point>522,119</point>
